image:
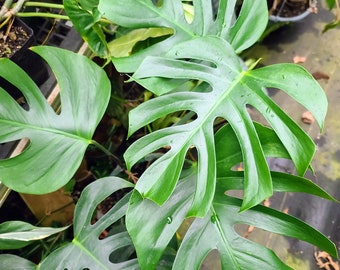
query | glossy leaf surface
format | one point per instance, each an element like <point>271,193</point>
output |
<point>216,231</point>
<point>232,89</point>
<point>17,234</point>
<point>14,262</point>
<point>57,142</point>
<point>87,251</point>
<point>137,14</point>
<point>151,226</point>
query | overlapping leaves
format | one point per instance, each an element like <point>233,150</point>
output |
<point>85,17</point>
<point>232,89</point>
<point>53,138</point>
<point>87,250</point>
<point>135,14</point>
<point>157,224</point>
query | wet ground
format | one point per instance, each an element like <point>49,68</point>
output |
<point>322,56</point>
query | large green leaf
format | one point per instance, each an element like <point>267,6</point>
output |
<point>216,231</point>
<point>57,142</point>
<point>145,216</point>
<point>87,251</point>
<point>137,14</point>
<point>152,227</point>
<point>232,89</point>
<point>17,234</point>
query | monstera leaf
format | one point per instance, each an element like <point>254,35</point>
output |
<point>232,89</point>
<point>136,14</point>
<point>57,142</point>
<point>216,231</point>
<point>152,226</point>
<point>87,251</point>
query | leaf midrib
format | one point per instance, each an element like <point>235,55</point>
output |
<point>225,241</point>
<point>219,99</point>
<point>25,126</point>
<point>87,252</point>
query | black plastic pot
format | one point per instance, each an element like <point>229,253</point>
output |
<point>30,62</point>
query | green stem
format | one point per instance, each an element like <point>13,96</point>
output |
<point>107,152</point>
<point>43,14</point>
<point>42,4</point>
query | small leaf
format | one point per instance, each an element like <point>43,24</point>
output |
<point>53,138</point>
<point>123,45</point>
<point>18,234</point>
<point>87,251</point>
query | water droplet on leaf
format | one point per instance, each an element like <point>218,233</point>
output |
<point>214,218</point>
<point>169,220</point>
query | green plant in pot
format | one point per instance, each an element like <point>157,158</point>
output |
<point>175,188</point>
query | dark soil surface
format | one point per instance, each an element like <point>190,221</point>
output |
<point>287,8</point>
<point>12,41</point>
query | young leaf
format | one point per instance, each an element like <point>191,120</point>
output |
<point>232,90</point>
<point>136,14</point>
<point>56,142</point>
<point>18,234</point>
<point>87,251</point>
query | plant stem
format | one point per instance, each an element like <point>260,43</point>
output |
<point>41,4</point>
<point>5,7</point>
<point>43,14</point>
<point>107,152</point>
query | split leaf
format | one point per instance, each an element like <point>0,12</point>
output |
<point>57,142</point>
<point>231,91</point>
<point>87,250</point>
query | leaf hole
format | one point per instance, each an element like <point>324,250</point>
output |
<point>12,148</point>
<point>260,236</point>
<point>123,254</point>
<point>106,208</point>
<point>173,119</point>
<point>14,92</point>
<point>255,115</point>
<point>212,260</point>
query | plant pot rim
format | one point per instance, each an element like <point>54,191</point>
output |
<point>275,18</point>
